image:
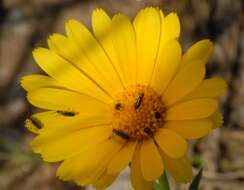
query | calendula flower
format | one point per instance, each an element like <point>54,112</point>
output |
<point>123,95</point>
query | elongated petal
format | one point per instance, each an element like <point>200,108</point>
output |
<point>67,74</point>
<point>199,51</point>
<point>209,88</point>
<point>60,99</point>
<point>96,174</point>
<point>54,122</point>
<point>147,21</point>
<point>217,119</point>
<point>85,163</point>
<point>171,143</point>
<point>194,109</point>
<point>122,158</point>
<point>80,35</point>
<point>137,179</point>
<point>56,147</point>
<point>170,29</point>
<point>184,82</point>
<point>106,34</point>
<point>105,180</point>
<point>124,42</point>
<point>101,24</point>
<point>33,82</point>
<point>66,48</point>
<point>32,127</point>
<point>151,162</point>
<point>190,129</point>
<point>166,66</point>
<point>180,169</point>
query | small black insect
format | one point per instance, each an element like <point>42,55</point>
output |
<point>157,115</point>
<point>66,113</point>
<point>118,106</point>
<point>121,134</point>
<point>138,101</point>
<point>148,131</point>
<point>36,122</point>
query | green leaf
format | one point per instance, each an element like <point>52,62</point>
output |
<point>196,181</point>
<point>163,183</point>
<point>156,186</point>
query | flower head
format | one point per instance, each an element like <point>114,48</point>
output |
<point>124,94</point>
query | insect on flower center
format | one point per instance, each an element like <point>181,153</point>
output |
<point>138,113</point>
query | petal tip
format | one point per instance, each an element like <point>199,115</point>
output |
<point>98,10</point>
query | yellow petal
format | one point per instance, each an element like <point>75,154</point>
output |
<point>67,49</point>
<point>147,26</point>
<point>199,51</point>
<point>180,169</point>
<point>166,66</point>
<point>94,176</point>
<point>137,179</point>
<point>54,122</point>
<point>101,23</point>
<point>33,82</point>
<point>151,162</point>
<point>171,143</point>
<point>68,75</point>
<point>85,163</point>
<point>217,119</point>
<point>105,180</point>
<point>209,88</point>
<point>194,109</point>
<point>122,158</point>
<point>124,42</point>
<point>102,27</point>
<point>56,147</point>
<point>190,129</point>
<point>184,82</point>
<point>60,99</point>
<point>33,125</point>
<point>81,36</point>
<point>170,28</point>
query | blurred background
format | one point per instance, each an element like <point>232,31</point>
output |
<point>26,24</point>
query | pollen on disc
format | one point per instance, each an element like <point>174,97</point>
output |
<point>138,112</point>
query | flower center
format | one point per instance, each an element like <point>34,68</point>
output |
<point>138,113</point>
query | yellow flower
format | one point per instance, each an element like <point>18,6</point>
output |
<point>123,95</point>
